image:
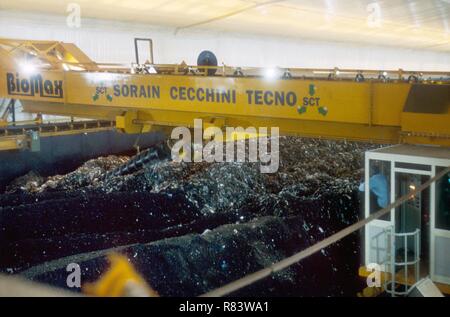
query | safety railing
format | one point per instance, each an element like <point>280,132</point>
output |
<point>56,127</point>
<point>357,75</point>
<point>399,260</point>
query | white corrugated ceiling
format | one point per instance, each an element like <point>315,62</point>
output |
<point>422,24</point>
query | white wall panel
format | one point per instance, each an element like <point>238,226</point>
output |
<point>108,41</point>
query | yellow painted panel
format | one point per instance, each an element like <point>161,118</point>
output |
<point>389,100</point>
<point>82,111</point>
<point>334,101</point>
<point>427,123</point>
<point>294,99</point>
<point>9,143</point>
<point>339,109</point>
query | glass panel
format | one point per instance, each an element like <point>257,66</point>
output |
<point>443,201</point>
<point>380,186</point>
<point>442,265</point>
<point>413,214</point>
<point>412,166</point>
<point>377,244</point>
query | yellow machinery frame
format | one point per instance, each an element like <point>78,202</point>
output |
<point>303,102</point>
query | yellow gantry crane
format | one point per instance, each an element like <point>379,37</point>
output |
<point>383,106</point>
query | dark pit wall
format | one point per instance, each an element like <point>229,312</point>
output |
<point>191,265</point>
<point>61,154</point>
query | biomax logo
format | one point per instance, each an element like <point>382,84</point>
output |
<point>101,91</point>
<point>34,85</point>
<point>312,101</point>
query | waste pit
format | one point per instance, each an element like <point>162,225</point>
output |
<point>189,228</point>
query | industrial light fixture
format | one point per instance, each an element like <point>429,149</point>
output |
<point>269,73</point>
<point>27,67</point>
<point>152,70</point>
<point>412,188</point>
<point>272,73</point>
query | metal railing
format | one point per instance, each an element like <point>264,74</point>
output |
<point>394,243</point>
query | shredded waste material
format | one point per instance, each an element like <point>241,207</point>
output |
<point>87,174</point>
<point>313,194</point>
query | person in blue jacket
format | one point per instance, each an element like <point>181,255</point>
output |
<point>378,185</point>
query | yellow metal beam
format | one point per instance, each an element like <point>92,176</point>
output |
<point>11,143</point>
<point>16,138</point>
<point>372,111</point>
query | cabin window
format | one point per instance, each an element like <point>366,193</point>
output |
<point>380,186</point>
<point>413,166</point>
<point>443,201</point>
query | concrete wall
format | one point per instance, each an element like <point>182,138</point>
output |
<point>62,154</point>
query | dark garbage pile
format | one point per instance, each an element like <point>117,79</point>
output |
<point>193,264</point>
<point>191,227</point>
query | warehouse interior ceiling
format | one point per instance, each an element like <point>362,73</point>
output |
<point>421,24</point>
